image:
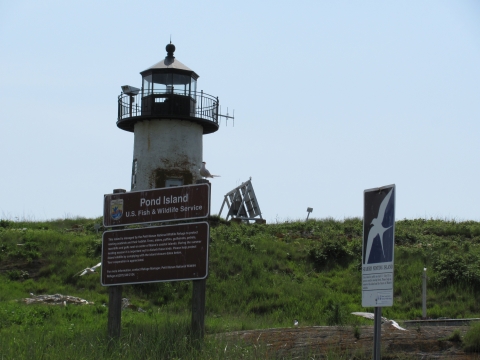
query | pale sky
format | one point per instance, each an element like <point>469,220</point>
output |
<point>330,97</point>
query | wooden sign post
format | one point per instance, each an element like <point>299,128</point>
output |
<point>198,298</point>
<point>115,303</point>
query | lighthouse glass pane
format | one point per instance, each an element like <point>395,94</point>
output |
<point>162,83</point>
<point>147,85</point>
<point>193,89</point>
<point>179,79</point>
<point>182,84</point>
<point>162,79</point>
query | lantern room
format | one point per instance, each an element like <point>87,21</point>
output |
<point>169,91</point>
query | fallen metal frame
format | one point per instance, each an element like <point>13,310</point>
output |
<point>242,203</point>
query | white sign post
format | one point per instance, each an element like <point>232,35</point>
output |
<point>378,253</point>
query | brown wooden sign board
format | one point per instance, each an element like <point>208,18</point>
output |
<point>155,254</point>
<point>166,204</point>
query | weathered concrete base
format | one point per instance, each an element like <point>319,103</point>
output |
<point>166,149</point>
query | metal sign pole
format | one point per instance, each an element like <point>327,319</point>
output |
<point>377,332</point>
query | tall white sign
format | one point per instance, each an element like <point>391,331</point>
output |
<point>378,246</point>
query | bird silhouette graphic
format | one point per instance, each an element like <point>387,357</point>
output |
<point>377,229</point>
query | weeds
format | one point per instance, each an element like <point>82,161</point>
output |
<point>471,340</point>
<point>260,276</point>
<point>455,336</point>
<point>335,314</point>
<point>356,332</point>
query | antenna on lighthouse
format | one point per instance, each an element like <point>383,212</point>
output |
<point>227,116</point>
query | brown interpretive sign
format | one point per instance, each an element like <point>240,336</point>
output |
<point>155,254</point>
<point>166,204</point>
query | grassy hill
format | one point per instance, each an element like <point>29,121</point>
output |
<point>260,276</point>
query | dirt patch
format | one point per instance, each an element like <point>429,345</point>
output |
<point>426,342</point>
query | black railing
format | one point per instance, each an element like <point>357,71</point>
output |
<point>166,104</point>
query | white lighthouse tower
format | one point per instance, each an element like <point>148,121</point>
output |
<point>168,117</point>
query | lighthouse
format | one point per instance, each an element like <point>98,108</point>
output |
<point>168,117</point>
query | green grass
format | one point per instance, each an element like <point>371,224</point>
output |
<point>260,276</point>
<point>471,340</point>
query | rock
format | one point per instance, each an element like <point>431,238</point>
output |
<point>57,299</point>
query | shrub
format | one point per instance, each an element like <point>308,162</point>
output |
<point>5,224</point>
<point>456,336</point>
<point>455,268</point>
<point>94,248</point>
<point>471,340</point>
<point>17,274</point>
<point>356,332</point>
<point>335,314</point>
<point>330,250</point>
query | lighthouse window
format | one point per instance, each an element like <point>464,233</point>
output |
<point>173,182</point>
<point>147,85</point>
<point>182,83</point>
<point>162,82</point>
<point>193,89</point>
